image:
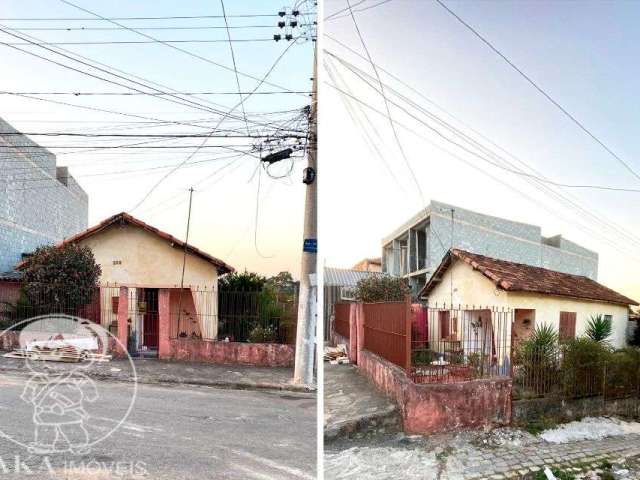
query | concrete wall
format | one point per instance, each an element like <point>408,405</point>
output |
<point>470,287</point>
<point>258,354</point>
<point>129,255</point>
<point>434,408</point>
<point>40,203</point>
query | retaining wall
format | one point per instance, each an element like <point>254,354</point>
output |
<point>432,408</point>
<point>258,354</point>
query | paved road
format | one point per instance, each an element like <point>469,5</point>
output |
<point>173,433</point>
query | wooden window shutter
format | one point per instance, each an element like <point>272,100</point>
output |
<point>443,318</point>
<point>115,301</point>
<point>567,326</point>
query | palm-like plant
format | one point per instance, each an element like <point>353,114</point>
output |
<point>599,328</point>
<point>538,359</point>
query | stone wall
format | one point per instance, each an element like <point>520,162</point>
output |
<point>40,203</point>
<point>257,354</point>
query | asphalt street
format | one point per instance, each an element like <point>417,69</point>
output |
<point>172,432</point>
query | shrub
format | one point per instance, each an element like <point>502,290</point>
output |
<point>61,277</point>
<point>261,334</point>
<point>537,360</point>
<point>582,368</point>
<point>422,357</point>
<point>599,328</point>
<point>380,288</point>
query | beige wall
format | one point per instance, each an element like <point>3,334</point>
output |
<point>146,259</point>
<point>470,287</point>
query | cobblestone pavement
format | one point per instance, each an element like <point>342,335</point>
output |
<point>352,406</point>
<point>501,454</point>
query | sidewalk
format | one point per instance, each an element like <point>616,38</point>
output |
<point>353,407</point>
<point>500,454</point>
<point>153,371</point>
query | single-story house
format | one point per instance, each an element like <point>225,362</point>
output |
<point>535,295</point>
<point>145,259</point>
<point>368,265</point>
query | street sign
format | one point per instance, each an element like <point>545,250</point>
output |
<point>310,245</point>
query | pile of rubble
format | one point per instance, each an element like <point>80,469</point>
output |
<point>336,355</point>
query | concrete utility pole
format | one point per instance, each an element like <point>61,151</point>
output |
<point>306,331</point>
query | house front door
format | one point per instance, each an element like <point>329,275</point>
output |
<point>150,319</point>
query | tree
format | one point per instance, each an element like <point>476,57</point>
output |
<point>599,328</point>
<point>63,277</point>
<point>381,288</point>
<point>242,282</point>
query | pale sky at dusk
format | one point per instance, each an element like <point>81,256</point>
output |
<point>583,53</point>
<point>224,207</point>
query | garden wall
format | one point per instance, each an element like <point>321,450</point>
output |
<point>258,354</point>
<point>432,408</point>
<point>544,411</point>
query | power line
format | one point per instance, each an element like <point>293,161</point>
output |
<point>541,90</point>
<point>182,50</point>
<point>82,29</point>
<point>138,42</point>
<point>336,15</point>
<point>90,19</point>
<point>151,94</point>
<point>146,135</point>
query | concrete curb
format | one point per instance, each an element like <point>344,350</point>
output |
<point>228,385</point>
<point>388,420</point>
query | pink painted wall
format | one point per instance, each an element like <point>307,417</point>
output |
<point>188,319</point>
<point>258,354</point>
<point>437,408</point>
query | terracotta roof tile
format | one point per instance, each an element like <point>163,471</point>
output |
<point>517,277</point>
<point>125,218</point>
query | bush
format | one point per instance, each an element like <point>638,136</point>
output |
<point>261,334</point>
<point>599,328</point>
<point>582,369</point>
<point>380,288</point>
<point>537,360</point>
<point>61,277</point>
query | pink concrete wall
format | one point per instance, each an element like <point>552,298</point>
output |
<point>258,354</point>
<point>188,319</point>
<point>436,408</point>
<point>10,340</point>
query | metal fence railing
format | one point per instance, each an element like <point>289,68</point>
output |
<point>459,343</point>
<point>341,319</point>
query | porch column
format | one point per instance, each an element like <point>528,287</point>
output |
<point>123,321</point>
<point>164,323</point>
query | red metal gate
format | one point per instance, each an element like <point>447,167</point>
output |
<point>150,318</point>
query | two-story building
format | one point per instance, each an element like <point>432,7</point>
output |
<point>416,248</point>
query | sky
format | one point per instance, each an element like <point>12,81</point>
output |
<point>582,53</point>
<point>223,218</point>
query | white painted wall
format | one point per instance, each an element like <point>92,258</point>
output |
<point>471,287</point>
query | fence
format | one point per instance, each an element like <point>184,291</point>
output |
<point>559,374</point>
<point>450,344</point>
<point>257,316</point>
<point>387,331</point>
<point>342,313</point>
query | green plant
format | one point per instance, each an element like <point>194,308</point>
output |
<point>381,288</point>
<point>62,278</point>
<point>582,367</point>
<point>558,473</point>
<point>599,328</point>
<point>422,357</point>
<point>260,334</point>
<point>242,282</point>
<point>537,360</point>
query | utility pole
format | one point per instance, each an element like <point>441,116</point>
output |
<point>184,259</point>
<point>306,331</point>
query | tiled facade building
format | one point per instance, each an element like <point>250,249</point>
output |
<point>40,203</point>
<point>416,248</point>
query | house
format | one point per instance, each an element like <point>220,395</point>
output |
<point>533,295</point>
<point>368,265</point>
<point>414,250</point>
<point>146,260</point>
<point>339,284</point>
<point>40,203</point>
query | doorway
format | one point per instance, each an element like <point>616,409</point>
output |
<point>150,319</point>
